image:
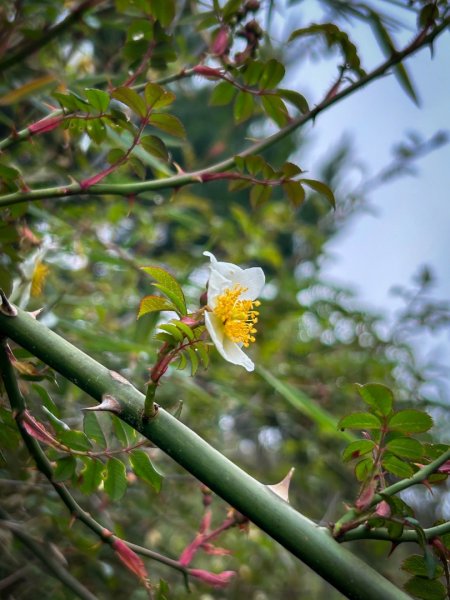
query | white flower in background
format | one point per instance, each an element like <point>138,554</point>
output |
<point>230,315</point>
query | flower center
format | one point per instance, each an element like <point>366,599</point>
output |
<point>238,316</point>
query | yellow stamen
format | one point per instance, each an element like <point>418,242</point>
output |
<point>238,316</point>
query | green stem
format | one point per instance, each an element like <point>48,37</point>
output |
<point>303,538</point>
<point>363,533</point>
<point>33,46</point>
<point>54,566</point>
<point>132,189</point>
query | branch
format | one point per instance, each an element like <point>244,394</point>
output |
<point>33,46</point>
<point>54,566</point>
<point>45,467</point>
<point>303,538</point>
<point>176,181</point>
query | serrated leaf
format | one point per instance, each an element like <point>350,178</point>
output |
<point>150,304</point>
<point>93,429</point>
<point>425,589</point>
<point>116,479</point>
<point>416,565</point>
<point>360,420</point>
<point>406,448</point>
<point>144,469</point>
<point>294,98</point>
<point>377,396</point>
<point>167,282</point>
<point>321,188</point>
<point>131,99</point>
<point>77,440</point>
<point>410,421</point>
<point>168,123</point>
<point>155,146</point>
<point>98,99</point>
<point>222,94</point>
<point>96,130</point>
<point>64,469</point>
<point>397,467</point>
<point>92,475</point>
<point>357,449</point>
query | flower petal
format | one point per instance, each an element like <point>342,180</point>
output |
<point>233,354</point>
<point>220,274</point>
<point>253,279</point>
<point>228,349</point>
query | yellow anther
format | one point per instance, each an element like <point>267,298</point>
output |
<point>238,316</point>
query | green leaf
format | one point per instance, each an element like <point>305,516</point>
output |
<point>155,146</point>
<point>321,188</point>
<point>244,105</point>
<point>252,72</point>
<point>162,593</point>
<point>152,93</point>
<point>410,421</point>
<point>173,331</point>
<point>150,304</point>
<point>8,173</point>
<point>294,98</point>
<point>425,589</point>
<point>202,350</point>
<point>363,469</point>
<point>416,565</point>
<point>91,475</point>
<point>377,396</point>
<point>131,99</point>
<point>96,130</point>
<point>98,99</point>
<point>163,10</point>
<point>360,420</point>
<point>290,170</point>
<point>275,109</point>
<point>357,449</point>
<point>77,440</point>
<point>294,191</point>
<point>93,429</point>
<point>119,430</point>
<point>397,467</point>
<point>116,479</point>
<point>260,194</point>
<point>194,360</point>
<point>272,74</point>
<point>222,94</point>
<point>64,469</point>
<point>168,123</point>
<point>406,448</point>
<point>168,283</point>
<point>185,329</point>
<point>388,47</point>
<point>145,470</point>
<point>58,425</point>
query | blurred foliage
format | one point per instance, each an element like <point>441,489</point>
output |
<point>80,259</point>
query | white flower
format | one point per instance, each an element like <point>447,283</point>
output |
<point>230,315</point>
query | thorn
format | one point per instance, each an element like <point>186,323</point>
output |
<point>108,404</point>
<point>281,489</point>
<point>178,168</point>
<point>6,307</point>
<point>35,313</point>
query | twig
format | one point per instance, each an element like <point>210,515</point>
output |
<point>55,567</point>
